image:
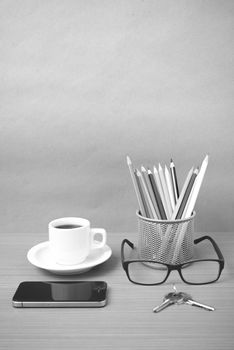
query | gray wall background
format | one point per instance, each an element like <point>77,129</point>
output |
<point>84,83</point>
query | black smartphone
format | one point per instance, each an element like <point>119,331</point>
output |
<point>60,294</point>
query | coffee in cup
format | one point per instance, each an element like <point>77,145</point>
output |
<point>71,239</point>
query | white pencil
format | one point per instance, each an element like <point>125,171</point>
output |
<point>170,188</point>
<point>141,206</point>
<point>160,190</point>
<point>196,188</point>
<point>165,191</point>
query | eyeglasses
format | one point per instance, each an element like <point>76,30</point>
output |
<point>151,272</point>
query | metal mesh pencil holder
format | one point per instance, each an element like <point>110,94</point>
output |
<point>165,241</point>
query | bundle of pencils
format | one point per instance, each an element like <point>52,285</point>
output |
<point>158,192</point>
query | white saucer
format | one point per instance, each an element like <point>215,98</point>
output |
<point>40,256</point>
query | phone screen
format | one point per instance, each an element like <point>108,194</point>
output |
<point>72,291</point>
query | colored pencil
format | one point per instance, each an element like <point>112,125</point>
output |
<point>170,188</point>
<point>157,196</point>
<point>150,190</point>
<point>196,188</point>
<point>174,180</point>
<point>165,191</point>
<point>148,201</point>
<point>160,190</point>
<point>136,187</point>
<point>145,211</point>
<point>186,195</point>
<point>177,207</point>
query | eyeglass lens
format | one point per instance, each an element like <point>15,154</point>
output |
<point>152,273</point>
<point>147,273</point>
<point>200,271</point>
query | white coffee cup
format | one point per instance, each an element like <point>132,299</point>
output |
<point>71,239</point>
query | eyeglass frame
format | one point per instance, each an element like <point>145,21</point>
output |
<point>170,267</point>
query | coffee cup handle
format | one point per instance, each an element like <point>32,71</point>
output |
<point>98,244</point>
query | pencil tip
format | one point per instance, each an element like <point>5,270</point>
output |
<point>206,159</point>
<point>129,160</point>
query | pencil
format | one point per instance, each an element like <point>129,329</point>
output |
<point>136,187</point>
<point>179,201</point>
<point>186,194</point>
<point>160,190</point>
<point>145,211</point>
<point>174,180</point>
<point>170,188</point>
<point>146,195</point>
<point>179,236</point>
<point>157,196</point>
<point>150,190</point>
<point>196,188</point>
<point>165,191</point>
<point>169,229</point>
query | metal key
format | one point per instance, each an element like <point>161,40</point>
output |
<point>187,299</point>
<point>169,299</point>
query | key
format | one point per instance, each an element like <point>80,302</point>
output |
<point>166,303</point>
<point>187,299</point>
<point>169,299</point>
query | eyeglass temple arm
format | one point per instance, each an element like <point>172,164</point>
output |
<point>128,242</point>
<point>216,247</point>
<point>122,248</point>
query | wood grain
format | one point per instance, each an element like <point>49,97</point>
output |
<point>127,322</point>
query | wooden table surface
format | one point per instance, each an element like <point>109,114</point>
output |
<point>127,322</point>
